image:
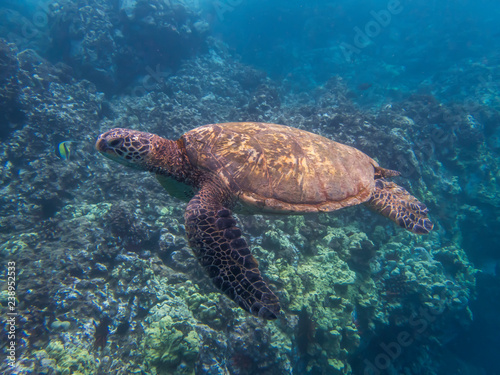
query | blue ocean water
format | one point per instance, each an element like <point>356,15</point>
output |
<point>98,275</point>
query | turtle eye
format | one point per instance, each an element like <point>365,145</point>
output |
<point>115,142</point>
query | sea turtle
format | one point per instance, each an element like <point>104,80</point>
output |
<point>257,167</point>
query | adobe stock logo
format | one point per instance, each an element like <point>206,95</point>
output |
<point>363,37</point>
<point>419,323</point>
<point>155,79</point>
<point>34,27</point>
<point>222,7</point>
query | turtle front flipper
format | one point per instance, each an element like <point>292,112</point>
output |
<point>397,204</point>
<point>224,254</point>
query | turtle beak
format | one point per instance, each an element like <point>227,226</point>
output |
<point>108,147</point>
<point>108,143</point>
<point>101,144</point>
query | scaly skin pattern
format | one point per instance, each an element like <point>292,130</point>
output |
<point>146,151</point>
<point>224,254</point>
<point>127,147</point>
<point>397,204</point>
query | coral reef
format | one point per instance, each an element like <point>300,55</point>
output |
<point>106,280</point>
<point>171,343</point>
<point>110,44</point>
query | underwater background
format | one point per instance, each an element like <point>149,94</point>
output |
<point>104,282</point>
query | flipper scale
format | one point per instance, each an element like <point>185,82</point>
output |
<point>224,254</point>
<point>397,204</point>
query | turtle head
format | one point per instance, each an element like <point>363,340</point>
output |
<point>128,147</point>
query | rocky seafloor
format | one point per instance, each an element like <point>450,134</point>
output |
<point>107,284</point>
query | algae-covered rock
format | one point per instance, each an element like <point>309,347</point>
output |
<point>12,246</point>
<point>277,240</point>
<point>67,359</point>
<point>171,344</point>
<point>320,287</point>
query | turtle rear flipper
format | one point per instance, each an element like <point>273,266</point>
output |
<point>397,204</point>
<point>224,254</point>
